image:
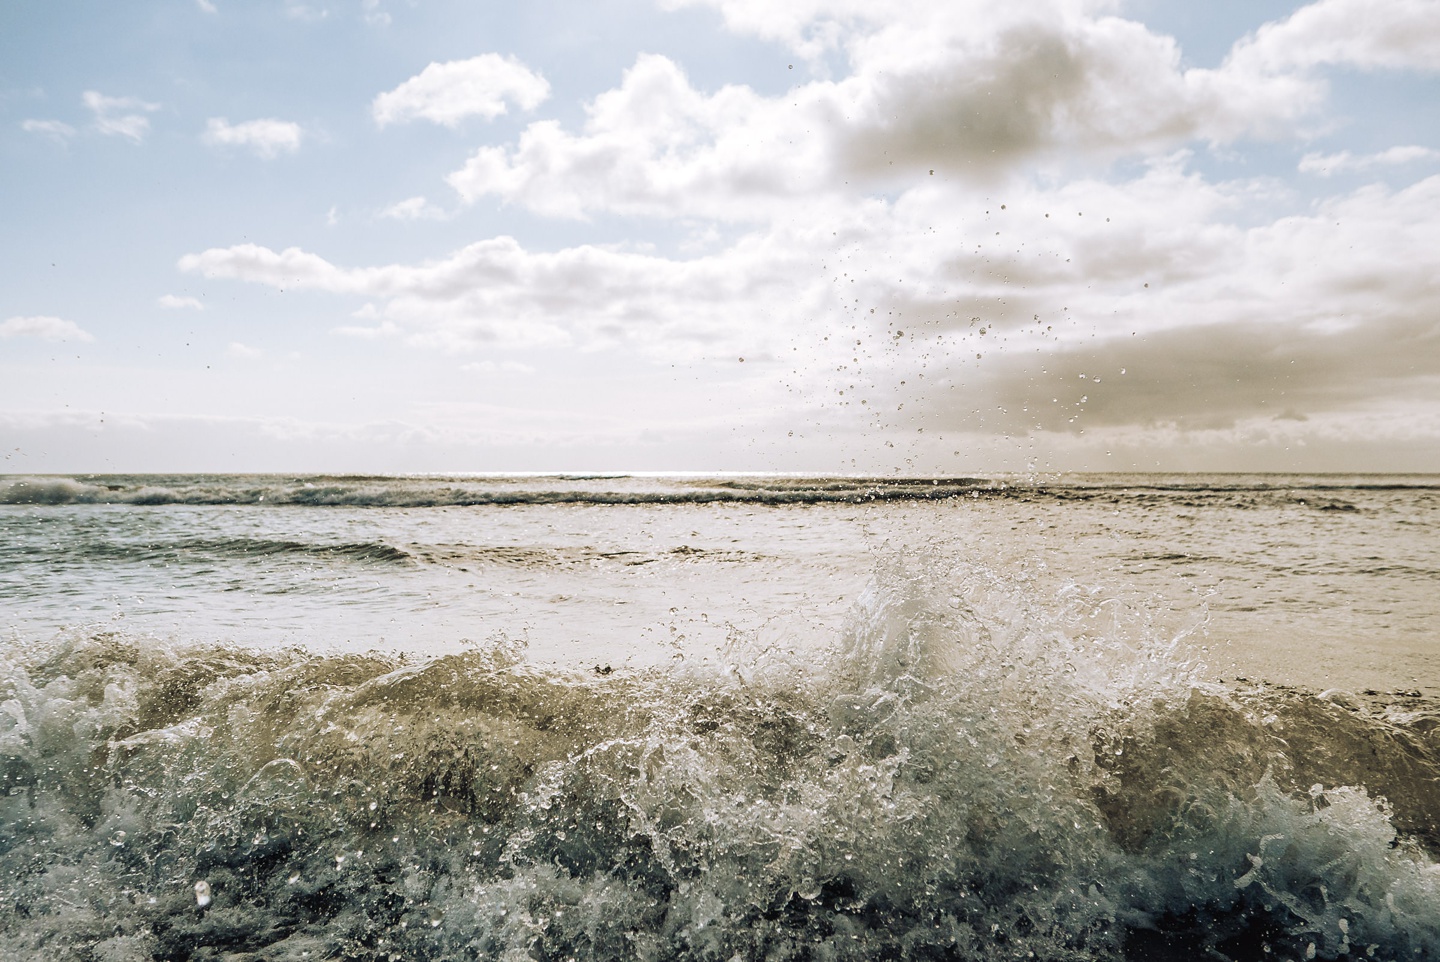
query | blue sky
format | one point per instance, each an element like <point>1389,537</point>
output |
<point>423,236</point>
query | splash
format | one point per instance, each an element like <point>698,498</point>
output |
<point>972,771</point>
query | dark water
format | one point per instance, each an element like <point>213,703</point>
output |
<point>903,729</point>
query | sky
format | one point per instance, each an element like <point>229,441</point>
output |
<point>823,236</point>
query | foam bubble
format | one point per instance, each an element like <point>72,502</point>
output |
<point>972,771</point>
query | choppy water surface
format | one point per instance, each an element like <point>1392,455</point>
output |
<point>739,718</point>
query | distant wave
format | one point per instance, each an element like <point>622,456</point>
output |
<point>970,772</point>
<point>193,551</point>
<point>241,548</point>
<point>140,490</point>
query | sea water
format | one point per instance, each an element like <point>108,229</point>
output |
<point>1079,717</point>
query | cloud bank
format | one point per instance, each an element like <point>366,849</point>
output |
<point>990,225</point>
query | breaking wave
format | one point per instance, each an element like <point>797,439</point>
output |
<point>970,772</point>
<point>1316,492</point>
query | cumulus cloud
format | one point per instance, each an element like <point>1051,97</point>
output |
<point>1326,165</point>
<point>497,292</point>
<point>653,146</point>
<point>447,93</point>
<point>1399,34</point>
<point>971,90</point>
<point>120,116</point>
<point>54,129</point>
<point>43,327</point>
<point>267,137</point>
<point>172,302</point>
<point>936,242</point>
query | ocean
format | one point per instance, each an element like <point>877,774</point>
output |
<point>1140,717</point>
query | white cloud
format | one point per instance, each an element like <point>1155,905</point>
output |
<point>242,352</point>
<point>54,129</point>
<point>206,6</point>
<point>1327,164</point>
<point>1397,34</point>
<point>414,208</point>
<point>1218,324</point>
<point>809,27</point>
<point>120,116</point>
<point>44,327</point>
<point>497,292</point>
<point>967,89</point>
<point>172,302</point>
<point>447,93</point>
<point>653,146</point>
<point>267,137</point>
<point>935,229</point>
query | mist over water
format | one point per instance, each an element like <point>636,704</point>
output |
<point>983,721</point>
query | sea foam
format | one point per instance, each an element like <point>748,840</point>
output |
<point>973,770</point>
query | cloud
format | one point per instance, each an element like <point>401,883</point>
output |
<point>54,129</point>
<point>938,241</point>
<point>1399,34</point>
<point>414,208</point>
<point>1313,318</point>
<point>654,146</point>
<point>206,6</point>
<point>44,327</point>
<point>497,292</point>
<point>1138,312</point>
<point>809,27</point>
<point>173,303</point>
<point>267,138</point>
<point>977,91</point>
<point>1326,165</point>
<point>242,352</point>
<point>120,116</point>
<point>447,93</point>
<point>304,12</point>
<point>374,16</point>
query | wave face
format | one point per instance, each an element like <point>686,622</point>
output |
<point>970,772</point>
<point>1322,492</point>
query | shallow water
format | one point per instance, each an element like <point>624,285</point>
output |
<point>985,721</point>
<point>1320,581</point>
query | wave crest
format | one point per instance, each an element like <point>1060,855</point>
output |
<point>971,772</point>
